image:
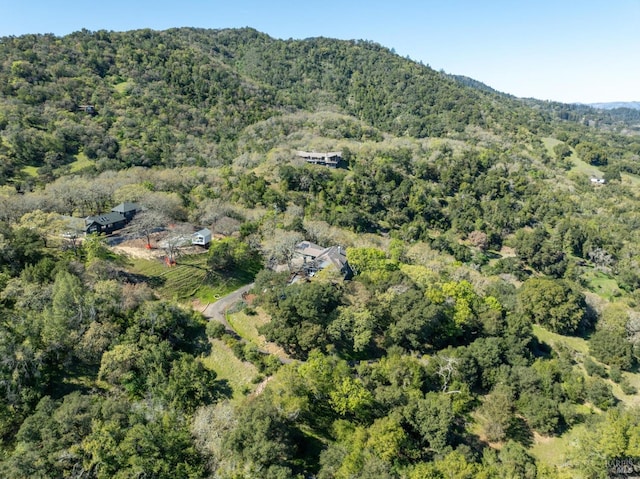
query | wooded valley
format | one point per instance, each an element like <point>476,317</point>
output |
<point>487,326</point>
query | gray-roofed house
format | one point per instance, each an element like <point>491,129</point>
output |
<point>336,257</point>
<point>126,209</point>
<point>106,223</point>
<point>317,258</point>
<point>309,250</point>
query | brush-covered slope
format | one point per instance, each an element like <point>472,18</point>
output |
<point>185,96</point>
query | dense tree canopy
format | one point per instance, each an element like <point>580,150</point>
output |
<point>476,238</point>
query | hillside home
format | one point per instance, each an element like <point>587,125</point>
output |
<point>126,209</point>
<point>331,159</point>
<point>317,258</point>
<point>106,223</point>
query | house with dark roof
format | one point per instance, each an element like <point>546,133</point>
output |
<point>106,223</point>
<point>126,209</point>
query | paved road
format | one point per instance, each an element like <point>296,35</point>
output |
<point>217,310</point>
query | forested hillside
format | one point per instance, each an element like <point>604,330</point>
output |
<point>491,327</point>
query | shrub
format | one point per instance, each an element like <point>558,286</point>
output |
<point>594,369</point>
<point>627,388</point>
<point>599,393</point>
<point>612,348</point>
<point>215,329</point>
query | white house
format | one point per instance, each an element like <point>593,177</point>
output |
<point>202,237</point>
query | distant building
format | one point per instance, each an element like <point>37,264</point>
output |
<point>331,159</point>
<point>598,181</point>
<point>88,109</point>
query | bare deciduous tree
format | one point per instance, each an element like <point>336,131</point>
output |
<point>448,367</point>
<point>145,223</point>
<point>178,238</point>
<point>281,247</point>
<point>479,239</point>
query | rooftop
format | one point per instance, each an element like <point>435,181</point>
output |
<point>105,219</point>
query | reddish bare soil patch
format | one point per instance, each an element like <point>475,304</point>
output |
<point>249,298</point>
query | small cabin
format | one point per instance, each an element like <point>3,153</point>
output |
<point>202,237</point>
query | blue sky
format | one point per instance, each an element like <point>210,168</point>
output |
<point>564,50</point>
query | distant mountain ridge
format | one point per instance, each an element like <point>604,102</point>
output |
<point>472,83</point>
<point>634,105</point>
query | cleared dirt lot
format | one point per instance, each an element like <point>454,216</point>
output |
<point>137,248</point>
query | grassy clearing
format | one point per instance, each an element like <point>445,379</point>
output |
<point>189,278</point>
<point>578,344</point>
<point>629,400</point>
<point>553,450</point>
<point>631,180</point>
<point>603,285</point>
<point>30,171</point>
<point>81,163</point>
<point>123,86</point>
<point>582,346</point>
<point>247,326</point>
<point>238,374</point>
<point>550,143</point>
<point>584,167</point>
<point>579,166</point>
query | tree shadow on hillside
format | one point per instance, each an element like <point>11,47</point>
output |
<point>540,349</point>
<point>137,278</point>
<point>520,431</point>
<point>223,389</point>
